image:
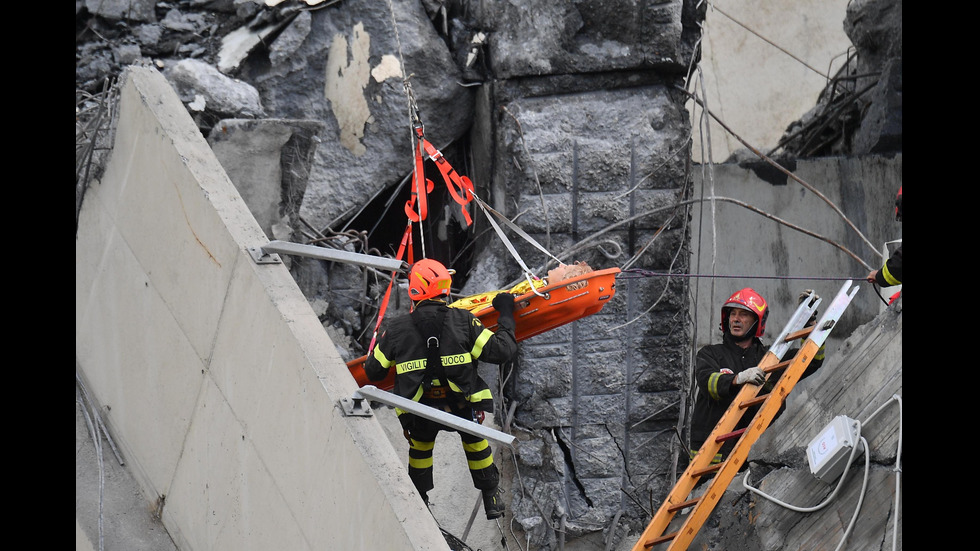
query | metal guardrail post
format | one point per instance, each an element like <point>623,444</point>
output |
<point>357,407</point>
<point>267,255</point>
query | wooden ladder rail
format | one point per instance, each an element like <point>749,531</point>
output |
<point>679,497</point>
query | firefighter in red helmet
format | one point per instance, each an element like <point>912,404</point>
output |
<point>434,351</point>
<point>721,369</point>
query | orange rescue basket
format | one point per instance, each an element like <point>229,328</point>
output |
<point>535,311</point>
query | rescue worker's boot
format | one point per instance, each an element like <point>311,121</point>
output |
<point>493,503</point>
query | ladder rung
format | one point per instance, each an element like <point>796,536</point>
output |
<point>777,367</point>
<point>754,401</point>
<point>723,473</point>
<point>684,505</point>
<point>660,540</point>
<point>707,470</point>
<point>730,435</point>
<point>805,332</point>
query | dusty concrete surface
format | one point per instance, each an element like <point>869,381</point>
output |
<point>108,503</point>
<point>105,488</point>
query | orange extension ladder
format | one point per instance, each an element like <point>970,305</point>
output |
<point>695,511</point>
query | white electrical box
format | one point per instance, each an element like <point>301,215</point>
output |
<point>828,451</point>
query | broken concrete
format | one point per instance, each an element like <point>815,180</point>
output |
<point>580,134</point>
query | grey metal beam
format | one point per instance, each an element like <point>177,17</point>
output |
<point>267,252</point>
<point>371,392</point>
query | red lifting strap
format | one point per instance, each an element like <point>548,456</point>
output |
<point>460,187</point>
<point>453,180</point>
<point>418,175</point>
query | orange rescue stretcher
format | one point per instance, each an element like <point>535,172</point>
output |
<point>547,306</point>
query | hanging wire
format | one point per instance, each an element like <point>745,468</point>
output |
<point>582,244</point>
<point>544,205</point>
<point>787,173</point>
<point>707,169</point>
<point>414,122</point>
<point>635,273</point>
<point>770,42</point>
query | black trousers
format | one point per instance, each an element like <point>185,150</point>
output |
<point>422,435</point>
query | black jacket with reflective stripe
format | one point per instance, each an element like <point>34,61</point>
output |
<point>463,342</point>
<point>891,271</point>
<point>717,366</point>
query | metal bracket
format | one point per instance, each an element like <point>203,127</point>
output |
<point>261,257</point>
<point>833,313</point>
<point>355,407</point>
<point>799,318</point>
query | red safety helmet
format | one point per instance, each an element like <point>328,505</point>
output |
<point>898,205</point>
<point>746,299</point>
<point>428,278</point>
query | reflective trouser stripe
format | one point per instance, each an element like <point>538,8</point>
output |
<point>478,455</point>
<point>420,454</point>
<point>821,353</point>
<point>716,459</point>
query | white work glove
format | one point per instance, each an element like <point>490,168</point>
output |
<point>754,375</point>
<point>806,293</point>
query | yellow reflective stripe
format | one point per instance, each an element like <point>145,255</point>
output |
<point>415,365</point>
<point>480,396</point>
<point>820,353</point>
<point>420,463</point>
<point>456,359</point>
<point>476,446</point>
<point>480,341</point>
<point>409,366</point>
<point>481,464</point>
<point>889,278</point>
<point>415,398</point>
<point>422,446</point>
<point>716,459</point>
<point>713,386</point>
<point>380,356</point>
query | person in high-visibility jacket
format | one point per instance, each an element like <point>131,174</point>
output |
<point>721,369</point>
<point>435,350</point>
<point>890,273</point>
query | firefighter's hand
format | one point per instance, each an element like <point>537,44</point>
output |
<point>503,303</point>
<point>872,277</point>
<point>806,293</point>
<point>816,297</point>
<point>753,375</point>
<point>479,415</point>
<point>408,435</point>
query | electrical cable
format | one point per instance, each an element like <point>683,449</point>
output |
<point>877,289</point>
<point>629,274</point>
<point>81,398</point>
<point>840,482</point>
